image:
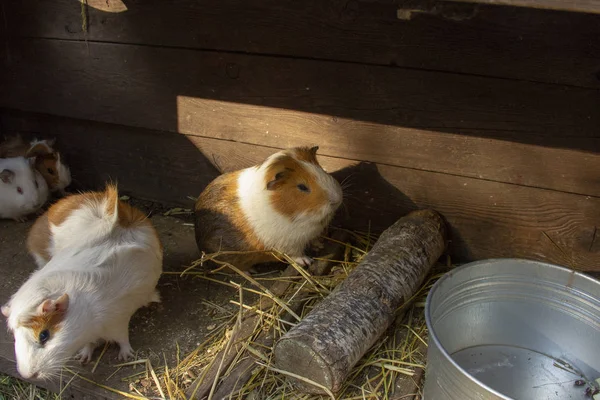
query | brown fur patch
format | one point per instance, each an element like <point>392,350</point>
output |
<point>308,154</point>
<point>47,166</point>
<point>286,198</point>
<point>50,321</point>
<point>38,150</point>
<point>60,210</point>
<point>38,239</point>
<point>221,196</point>
<point>220,225</point>
<point>128,216</point>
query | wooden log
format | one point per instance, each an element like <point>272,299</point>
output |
<point>328,342</point>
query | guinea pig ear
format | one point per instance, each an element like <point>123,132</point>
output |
<point>278,181</point>
<point>5,310</point>
<point>313,151</point>
<point>7,176</point>
<point>59,305</point>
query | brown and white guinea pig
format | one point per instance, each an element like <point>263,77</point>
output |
<point>281,205</point>
<point>100,261</point>
<point>23,191</point>
<point>47,160</point>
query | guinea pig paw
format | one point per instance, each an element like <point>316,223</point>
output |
<point>303,261</point>
<point>317,244</point>
<point>85,355</point>
<point>126,352</point>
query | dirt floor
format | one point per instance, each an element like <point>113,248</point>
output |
<point>183,318</point>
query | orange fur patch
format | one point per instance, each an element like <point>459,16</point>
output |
<point>60,210</point>
<point>39,149</point>
<point>50,321</point>
<point>128,216</point>
<point>47,166</point>
<point>228,204</point>
<point>38,239</point>
<point>286,198</point>
<point>308,154</point>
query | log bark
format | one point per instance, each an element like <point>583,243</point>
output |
<point>330,340</point>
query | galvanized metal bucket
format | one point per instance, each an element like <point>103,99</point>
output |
<point>512,329</point>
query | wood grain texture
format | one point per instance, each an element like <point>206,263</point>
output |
<point>487,219</point>
<point>588,6</point>
<point>515,132</point>
<point>508,42</point>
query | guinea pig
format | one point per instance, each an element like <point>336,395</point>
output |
<point>47,160</point>
<point>23,191</point>
<point>103,259</point>
<point>281,205</point>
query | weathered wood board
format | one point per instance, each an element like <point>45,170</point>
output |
<point>505,42</point>
<point>507,131</point>
<point>487,219</point>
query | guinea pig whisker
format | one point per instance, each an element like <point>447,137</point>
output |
<point>346,178</point>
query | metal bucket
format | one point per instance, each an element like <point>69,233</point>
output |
<point>512,329</point>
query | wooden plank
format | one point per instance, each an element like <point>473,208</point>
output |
<point>586,6</point>
<point>487,219</point>
<point>508,42</point>
<point>139,160</point>
<point>514,132</point>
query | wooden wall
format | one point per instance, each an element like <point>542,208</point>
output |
<point>489,114</point>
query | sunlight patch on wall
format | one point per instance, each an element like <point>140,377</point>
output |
<point>111,6</point>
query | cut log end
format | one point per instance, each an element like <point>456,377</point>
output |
<point>299,356</point>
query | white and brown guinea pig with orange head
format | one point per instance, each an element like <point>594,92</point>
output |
<point>281,205</point>
<point>47,160</point>
<point>100,260</point>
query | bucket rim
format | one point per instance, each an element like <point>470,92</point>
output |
<point>433,337</point>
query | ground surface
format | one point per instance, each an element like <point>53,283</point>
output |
<point>183,318</point>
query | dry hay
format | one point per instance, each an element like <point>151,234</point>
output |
<point>391,370</point>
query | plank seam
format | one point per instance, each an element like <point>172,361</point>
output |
<point>323,154</point>
<point>303,58</point>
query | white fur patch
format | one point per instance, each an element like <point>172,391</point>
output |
<point>64,176</point>
<point>277,231</point>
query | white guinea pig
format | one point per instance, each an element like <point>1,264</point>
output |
<point>282,205</point>
<point>47,160</point>
<point>23,190</point>
<point>103,261</point>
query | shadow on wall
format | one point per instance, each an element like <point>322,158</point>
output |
<point>143,163</point>
<point>137,82</point>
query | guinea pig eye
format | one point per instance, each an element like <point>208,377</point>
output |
<point>44,336</point>
<point>303,188</point>
<point>37,185</point>
<point>50,171</point>
<point>19,189</point>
